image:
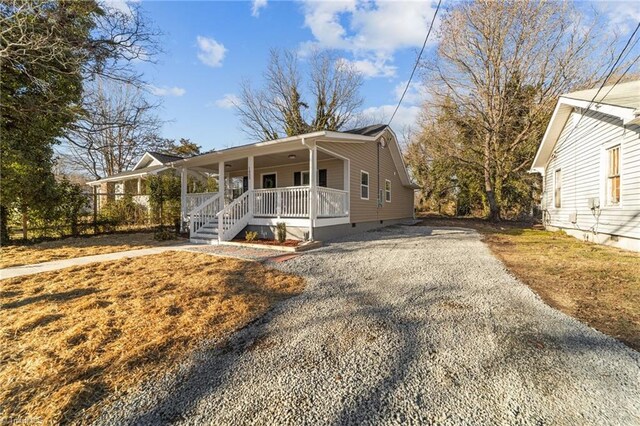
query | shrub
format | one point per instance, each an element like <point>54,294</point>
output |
<point>163,234</point>
<point>281,232</point>
<point>250,236</point>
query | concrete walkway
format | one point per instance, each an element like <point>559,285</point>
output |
<point>258,255</point>
<point>18,271</point>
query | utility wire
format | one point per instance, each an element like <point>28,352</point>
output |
<point>604,81</point>
<point>415,66</point>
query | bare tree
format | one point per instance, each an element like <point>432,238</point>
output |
<point>280,109</point>
<point>499,68</point>
<point>118,126</point>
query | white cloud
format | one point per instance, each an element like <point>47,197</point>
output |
<point>210,52</point>
<point>368,29</point>
<point>407,116</point>
<point>120,5</point>
<point>256,6</point>
<point>166,91</point>
<point>416,93</point>
<point>373,67</point>
<point>228,101</point>
<point>622,16</point>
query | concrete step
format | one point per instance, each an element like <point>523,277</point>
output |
<point>203,240</point>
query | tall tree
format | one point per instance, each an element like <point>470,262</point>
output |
<point>182,147</point>
<point>502,64</point>
<point>47,49</point>
<point>285,107</point>
<point>118,125</point>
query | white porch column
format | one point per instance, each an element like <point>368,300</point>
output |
<point>221,181</point>
<point>313,183</point>
<point>250,177</point>
<point>139,185</point>
<point>183,198</point>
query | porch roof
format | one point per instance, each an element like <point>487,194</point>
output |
<point>129,175</point>
<point>274,146</point>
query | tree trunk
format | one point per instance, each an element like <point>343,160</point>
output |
<point>25,222</point>
<point>494,209</point>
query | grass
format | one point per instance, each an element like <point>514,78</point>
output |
<point>73,339</point>
<point>16,255</point>
<point>596,284</point>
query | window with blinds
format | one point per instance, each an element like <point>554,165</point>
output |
<point>557,189</point>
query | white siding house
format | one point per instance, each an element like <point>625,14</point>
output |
<point>591,173</point>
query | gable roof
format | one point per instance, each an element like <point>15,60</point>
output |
<point>152,158</point>
<point>620,100</point>
<point>372,130</point>
<point>164,158</point>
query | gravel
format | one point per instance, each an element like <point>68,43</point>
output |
<point>406,325</point>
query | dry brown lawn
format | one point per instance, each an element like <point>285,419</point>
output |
<point>72,339</point>
<point>16,255</point>
<point>596,284</point>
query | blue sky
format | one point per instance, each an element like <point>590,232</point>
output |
<point>210,46</point>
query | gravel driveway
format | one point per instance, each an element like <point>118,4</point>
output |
<point>408,325</point>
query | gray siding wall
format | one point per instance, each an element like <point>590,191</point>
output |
<point>582,160</point>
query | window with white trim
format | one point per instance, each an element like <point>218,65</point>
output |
<point>557,189</point>
<point>387,190</point>
<point>613,176</point>
<point>364,185</point>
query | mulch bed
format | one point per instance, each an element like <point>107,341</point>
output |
<point>267,242</point>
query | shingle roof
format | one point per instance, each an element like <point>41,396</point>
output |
<point>165,158</point>
<point>368,130</point>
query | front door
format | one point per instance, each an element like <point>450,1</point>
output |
<point>269,181</point>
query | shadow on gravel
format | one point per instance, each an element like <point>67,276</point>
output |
<point>214,368</point>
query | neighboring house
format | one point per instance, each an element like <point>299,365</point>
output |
<point>133,181</point>
<point>591,173</point>
<point>321,185</point>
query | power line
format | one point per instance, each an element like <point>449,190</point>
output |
<point>604,81</point>
<point>415,66</point>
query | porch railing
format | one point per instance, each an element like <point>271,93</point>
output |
<point>234,217</point>
<point>204,213</point>
<point>196,199</point>
<point>292,201</point>
<point>332,202</point>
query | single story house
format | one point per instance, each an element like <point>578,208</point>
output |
<point>322,185</point>
<point>591,170</point>
<point>132,182</point>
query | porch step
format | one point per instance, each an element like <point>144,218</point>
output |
<point>203,240</point>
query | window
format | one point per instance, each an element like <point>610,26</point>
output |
<point>613,176</point>
<point>302,178</point>
<point>269,181</point>
<point>387,190</point>
<point>364,185</point>
<point>322,178</point>
<point>557,189</point>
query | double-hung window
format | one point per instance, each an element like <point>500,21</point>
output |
<point>557,189</point>
<point>613,176</point>
<point>387,190</point>
<point>364,185</point>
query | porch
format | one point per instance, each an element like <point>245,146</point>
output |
<point>304,187</point>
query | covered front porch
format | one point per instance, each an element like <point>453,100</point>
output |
<point>300,184</point>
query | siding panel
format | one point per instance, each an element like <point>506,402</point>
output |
<point>582,161</point>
